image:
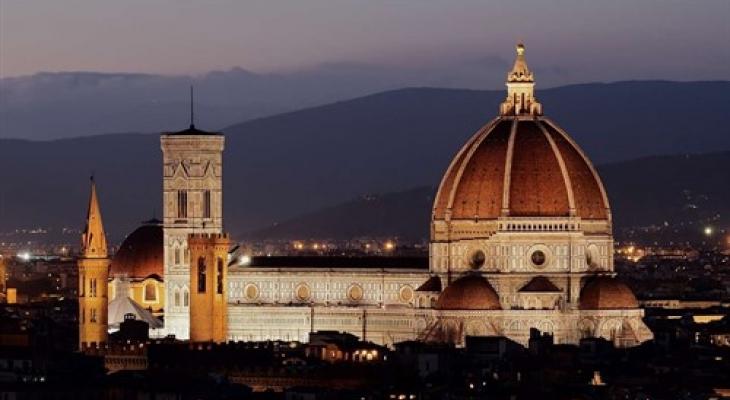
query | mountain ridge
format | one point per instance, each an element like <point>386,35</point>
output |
<point>279,167</point>
<point>375,215</point>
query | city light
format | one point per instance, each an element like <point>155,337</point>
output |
<point>389,245</point>
<point>244,260</point>
<point>25,256</point>
<point>708,231</point>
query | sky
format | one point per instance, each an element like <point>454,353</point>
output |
<point>576,40</point>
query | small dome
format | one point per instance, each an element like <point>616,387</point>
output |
<point>605,293</point>
<point>141,254</point>
<point>471,292</point>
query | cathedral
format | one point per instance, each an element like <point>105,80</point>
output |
<point>521,238</point>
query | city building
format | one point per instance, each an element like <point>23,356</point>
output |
<point>521,239</point>
<point>137,269</point>
<point>93,266</point>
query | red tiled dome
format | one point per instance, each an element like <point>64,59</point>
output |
<point>527,166</point>
<point>141,254</point>
<point>469,292</point>
<point>604,293</point>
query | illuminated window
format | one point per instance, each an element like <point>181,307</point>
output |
<point>150,293</point>
<point>201,275</point>
<point>219,276</point>
<point>182,204</point>
<point>206,204</point>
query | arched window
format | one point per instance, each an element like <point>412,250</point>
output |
<point>219,276</point>
<point>206,204</point>
<point>201,275</point>
<point>186,297</point>
<point>177,256</point>
<point>92,316</point>
<point>150,293</point>
<point>182,204</point>
<point>176,298</point>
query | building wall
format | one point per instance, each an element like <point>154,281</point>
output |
<point>93,301</point>
<point>282,322</point>
<point>375,304</point>
<point>324,286</point>
<point>191,164</point>
<point>623,327</point>
<point>507,245</point>
<point>137,291</point>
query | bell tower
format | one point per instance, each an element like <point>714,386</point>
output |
<point>192,199</point>
<point>93,264</point>
<point>208,289</point>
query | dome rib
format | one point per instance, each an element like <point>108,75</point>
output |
<point>561,164</point>
<point>442,203</point>
<point>507,180</point>
<point>485,158</point>
<point>537,187</point>
<point>583,174</point>
<point>520,167</point>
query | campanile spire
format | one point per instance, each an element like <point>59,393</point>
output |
<point>520,99</point>
<point>93,266</point>
<point>93,240</point>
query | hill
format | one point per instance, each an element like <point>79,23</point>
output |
<point>652,191</point>
<point>280,167</point>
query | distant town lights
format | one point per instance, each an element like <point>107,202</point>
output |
<point>709,231</point>
<point>25,256</point>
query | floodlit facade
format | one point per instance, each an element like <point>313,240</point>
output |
<point>521,238</point>
<point>192,202</point>
<point>93,264</point>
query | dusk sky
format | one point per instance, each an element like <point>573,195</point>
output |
<point>577,40</point>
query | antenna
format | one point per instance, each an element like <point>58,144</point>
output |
<point>192,114</point>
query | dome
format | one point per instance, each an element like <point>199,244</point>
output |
<point>521,164</point>
<point>141,254</point>
<point>471,292</point>
<point>521,168</point>
<point>605,293</point>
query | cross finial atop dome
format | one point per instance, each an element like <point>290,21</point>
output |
<point>520,88</point>
<point>520,48</point>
